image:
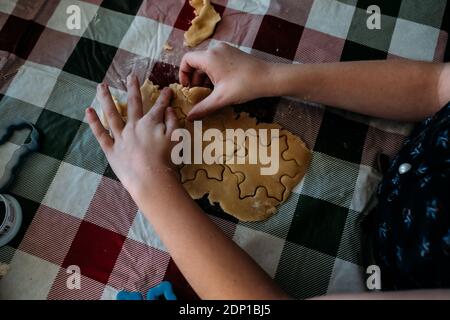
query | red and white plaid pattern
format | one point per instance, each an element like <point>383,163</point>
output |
<point>77,213</point>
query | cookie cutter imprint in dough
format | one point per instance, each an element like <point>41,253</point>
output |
<point>239,189</point>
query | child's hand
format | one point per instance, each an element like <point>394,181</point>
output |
<point>237,77</point>
<point>139,150</point>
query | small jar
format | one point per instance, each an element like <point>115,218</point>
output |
<point>10,218</point>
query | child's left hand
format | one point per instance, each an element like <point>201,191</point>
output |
<point>139,150</point>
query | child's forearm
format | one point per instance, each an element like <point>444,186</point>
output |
<point>213,264</point>
<point>400,90</point>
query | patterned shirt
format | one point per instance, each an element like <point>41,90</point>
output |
<point>411,239</point>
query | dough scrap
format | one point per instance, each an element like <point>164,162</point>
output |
<point>167,47</point>
<point>149,94</point>
<point>202,26</point>
<point>4,268</point>
<point>240,189</point>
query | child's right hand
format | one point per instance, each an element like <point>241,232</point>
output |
<point>237,77</point>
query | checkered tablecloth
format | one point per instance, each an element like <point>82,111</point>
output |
<point>75,210</point>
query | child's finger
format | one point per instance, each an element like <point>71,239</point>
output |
<point>135,110</point>
<point>156,113</point>
<point>191,61</point>
<point>100,133</point>
<point>208,105</point>
<point>109,108</point>
<point>171,121</point>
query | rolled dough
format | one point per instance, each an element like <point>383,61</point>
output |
<point>239,189</point>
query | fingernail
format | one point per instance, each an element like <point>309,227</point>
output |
<point>89,111</point>
<point>167,90</point>
<point>103,86</point>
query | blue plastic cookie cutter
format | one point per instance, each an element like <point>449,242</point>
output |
<point>19,154</point>
<point>164,289</point>
<point>12,215</point>
<point>126,295</point>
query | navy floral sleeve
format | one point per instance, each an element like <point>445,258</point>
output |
<point>411,238</point>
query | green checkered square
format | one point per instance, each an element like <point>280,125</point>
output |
<point>377,39</point>
<point>330,17</point>
<point>12,109</point>
<point>350,2</point>
<point>318,225</point>
<point>428,12</point>
<point>71,96</point>
<point>6,254</point>
<point>331,179</point>
<point>414,40</point>
<point>303,272</point>
<point>35,176</point>
<point>85,151</point>
<point>350,247</point>
<point>57,133</point>
<point>108,27</point>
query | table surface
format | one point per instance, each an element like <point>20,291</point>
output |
<point>76,212</point>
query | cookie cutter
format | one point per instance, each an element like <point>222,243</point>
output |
<point>10,210</point>
<point>164,289</point>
